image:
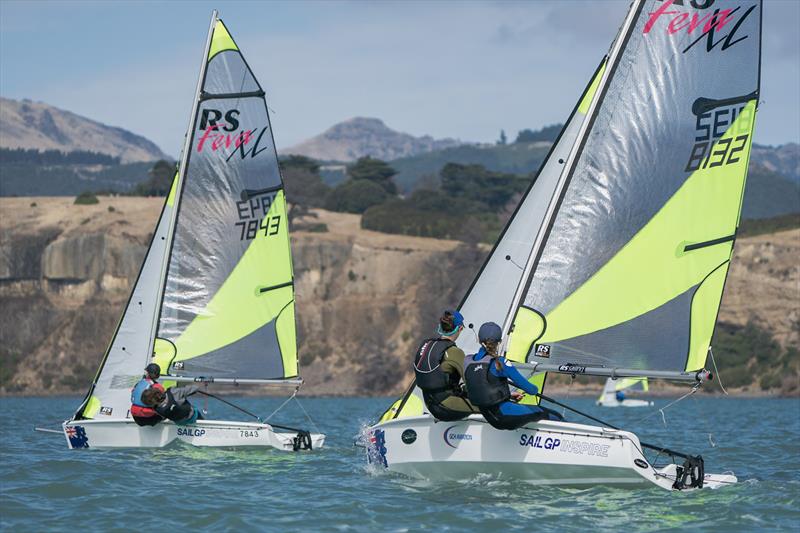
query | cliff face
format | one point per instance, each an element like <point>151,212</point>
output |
<point>364,299</point>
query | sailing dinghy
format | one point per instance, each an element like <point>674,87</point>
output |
<point>214,299</point>
<point>610,395</point>
<point>614,262</point>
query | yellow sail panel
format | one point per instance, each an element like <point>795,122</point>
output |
<point>586,101</point>
<point>221,40</point>
<point>257,292</point>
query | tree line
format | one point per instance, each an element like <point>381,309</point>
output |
<point>55,157</point>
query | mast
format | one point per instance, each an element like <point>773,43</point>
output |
<point>187,146</point>
<point>569,168</point>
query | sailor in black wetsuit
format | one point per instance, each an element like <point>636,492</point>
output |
<point>439,367</point>
<point>487,377</point>
<point>173,404</point>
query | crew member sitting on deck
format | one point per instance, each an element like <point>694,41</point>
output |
<point>173,404</point>
<point>487,377</point>
<point>439,366</point>
<point>141,413</point>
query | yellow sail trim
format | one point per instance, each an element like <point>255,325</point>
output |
<point>624,383</point>
<point>173,190</point>
<point>412,407</point>
<point>239,307</point>
<point>287,339</point>
<point>586,101</point>
<point>92,407</point>
<point>221,40</point>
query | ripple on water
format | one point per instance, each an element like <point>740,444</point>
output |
<point>46,487</point>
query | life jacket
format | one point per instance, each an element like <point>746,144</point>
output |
<point>484,389</point>
<point>435,382</point>
<point>138,408</point>
<point>177,412</point>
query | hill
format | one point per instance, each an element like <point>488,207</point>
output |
<point>360,137</point>
<point>27,124</point>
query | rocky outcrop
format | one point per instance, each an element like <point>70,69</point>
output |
<point>364,299</point>
<point>27,124</point>
<point>360,137</point>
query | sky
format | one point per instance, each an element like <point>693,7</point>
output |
<point>464,70</point>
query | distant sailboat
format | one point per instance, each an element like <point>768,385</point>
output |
<point>214,299</point>
<point>614,263</point>
<point>613,394</point>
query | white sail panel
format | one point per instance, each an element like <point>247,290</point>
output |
<point>129,350</point>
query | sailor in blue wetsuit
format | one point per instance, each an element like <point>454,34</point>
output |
<point>487,377</point>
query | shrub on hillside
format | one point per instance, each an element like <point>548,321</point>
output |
<point>86,198</point>
<point>475,183</point>
<point>302,181</point>
<point>428,214</point>
<point>374,170</point>
<point>159,181</point>
<point>355,196</point>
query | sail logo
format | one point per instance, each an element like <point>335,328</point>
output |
<point>704,25</point>
<point>253,216</point>
<point>454,436</point>
<point>710,150</point>
<point>219,135</point>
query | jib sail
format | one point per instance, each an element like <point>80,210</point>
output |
<point>490,296</point>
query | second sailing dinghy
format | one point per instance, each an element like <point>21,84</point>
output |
<point>214,299</point>
<point>614,263</point>
<point>613,394</point>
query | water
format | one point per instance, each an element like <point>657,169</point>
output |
<point>44,486</point>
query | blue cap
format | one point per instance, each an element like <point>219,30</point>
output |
<point>458,321</point>
<point>490,332</point>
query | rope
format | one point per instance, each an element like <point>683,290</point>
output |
<point>661,410</point>
<point>281,406</point>
<point>719,378</point>
<point>311,420</point>
<point>242,409</point>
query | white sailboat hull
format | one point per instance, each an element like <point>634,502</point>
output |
<point>110,434</point>
<point>624,403</point>
<point>544,453</point>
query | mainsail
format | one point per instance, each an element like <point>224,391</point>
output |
<point>228,299</point>
<point>214,297</point>
<point>629,271</point>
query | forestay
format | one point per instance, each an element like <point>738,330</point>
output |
<point>630,270</point>
<point>228,299</point>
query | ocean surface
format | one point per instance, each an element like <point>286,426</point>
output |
<point>44,486</point>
